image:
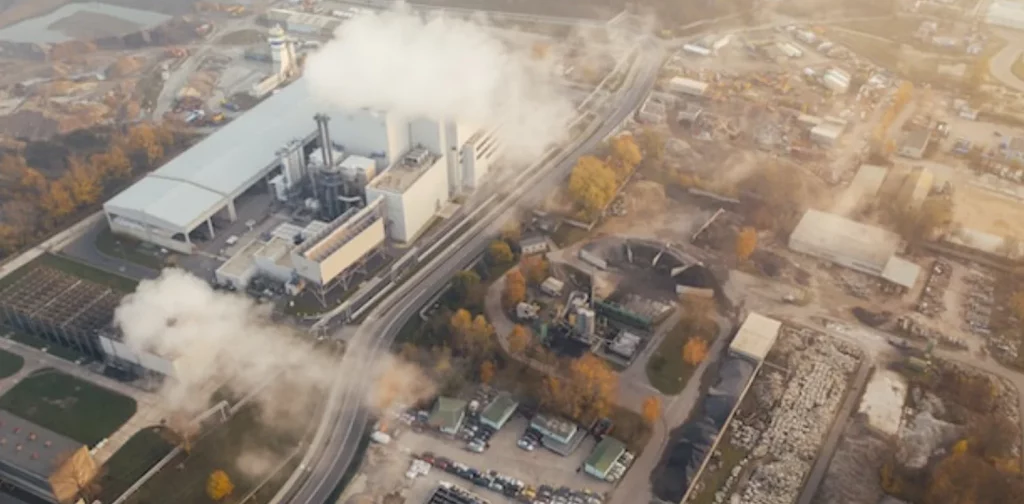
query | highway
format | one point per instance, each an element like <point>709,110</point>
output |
<point>333,447</point>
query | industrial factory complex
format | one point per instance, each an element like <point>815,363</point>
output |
<point>359,177</point>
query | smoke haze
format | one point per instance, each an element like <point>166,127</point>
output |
<point>221,339</point>
<point>441,68</point>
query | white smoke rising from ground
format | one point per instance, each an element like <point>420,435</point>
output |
<point>221,339</point>
<point>441,68</point>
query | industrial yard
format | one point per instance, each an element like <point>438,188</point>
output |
<point>789,275</point>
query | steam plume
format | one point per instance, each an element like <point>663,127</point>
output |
<point>441,68</point>
<point>219,339</point>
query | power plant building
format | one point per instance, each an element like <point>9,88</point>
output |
<point>413,190</point>
<point>270,149</point>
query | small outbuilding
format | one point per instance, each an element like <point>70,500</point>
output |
<point>498,411</point>
<point>448,415</point>
<point>604,456</point>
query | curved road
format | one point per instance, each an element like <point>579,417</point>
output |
<point>334,445</point>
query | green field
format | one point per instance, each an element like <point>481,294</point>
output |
<point>50,348</point>
<point>10,363</point>
<point>68,406</point>
<point>666,369</point>
<point>137,456</point>
<point>183,480</point>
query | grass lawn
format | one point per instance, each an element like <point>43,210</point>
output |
<point>713,480</point>
<point>666,369</point>
<point>568,235</point>
<point>127,248</point>
<point>49,347</point>
<point>66,405</point>
<point>10,363</point>
<point>183,480</point>
<point>137,456</point>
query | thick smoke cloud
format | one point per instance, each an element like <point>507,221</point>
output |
<point>219,339</point>
<point>440,68</point>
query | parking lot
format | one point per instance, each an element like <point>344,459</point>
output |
<point>537,467</point>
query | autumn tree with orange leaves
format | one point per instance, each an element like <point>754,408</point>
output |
<point>586,392</point>
<point>487,370</point>
<point>472,336</point>
<point>746,243</point>
<point>695,351</point>
<point>518,340</point>
<point>651,409</point>
<point>515,289</point>
<point>535,269</point>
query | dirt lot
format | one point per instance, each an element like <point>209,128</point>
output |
<point>978,208</point>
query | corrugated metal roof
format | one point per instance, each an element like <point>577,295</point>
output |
<point>170,204</point>
<point>224,163</point>
<point>901,272</point>
<point>834,236</point>
<point>756,336</point>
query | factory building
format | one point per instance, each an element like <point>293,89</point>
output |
<point>413,190</point>
<point>299,161</point>
<point>690,87</point>
<point>321,254</point>
<point>755,338</point>
<point>46,465</point>
<point>477,157</point>
<point>860,247</point>
<point>134,361</point>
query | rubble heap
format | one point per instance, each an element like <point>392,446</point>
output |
<point>821,368</point>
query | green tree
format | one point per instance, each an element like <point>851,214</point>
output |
<point>466,291</point>
<point>498,252</point>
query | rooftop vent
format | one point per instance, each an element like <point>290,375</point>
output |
<point>31,436</point>
<point>18,448</point>
<point>416,157</point>
<point>35,456</point>
<point>48,444</point>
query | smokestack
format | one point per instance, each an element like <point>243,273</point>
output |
<point>325,139</point>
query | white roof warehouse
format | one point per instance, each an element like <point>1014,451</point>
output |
<point>860,247</point>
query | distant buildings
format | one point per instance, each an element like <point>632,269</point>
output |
<point>689,87</point>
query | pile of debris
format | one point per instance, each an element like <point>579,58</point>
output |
<point>931,302</point>
<point>912,328</point>
<point>977,304</point>
<point>789,435</point>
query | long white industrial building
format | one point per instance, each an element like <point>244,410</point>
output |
<point>184,195</point>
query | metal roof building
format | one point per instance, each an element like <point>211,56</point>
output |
<point>860,247</point>
<point>32,458</point>
<point>1006,13</point>
<point>756,337</point>
<point>605,454</point>
<point>205,180</point>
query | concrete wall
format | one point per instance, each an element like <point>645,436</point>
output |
<point>344,257</point>
<point>377,135</point>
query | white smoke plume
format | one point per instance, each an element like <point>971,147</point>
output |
<point>440,68</point>
<point>220,339</point>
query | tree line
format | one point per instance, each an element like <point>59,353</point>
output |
<point>595,179</point>
<point>42,194</point>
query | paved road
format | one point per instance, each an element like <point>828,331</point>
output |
<point>333,447</point>
<point>1001,65</point>
<point>84,249</point>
